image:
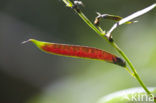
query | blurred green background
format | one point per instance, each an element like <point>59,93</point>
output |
<point>28,75</point>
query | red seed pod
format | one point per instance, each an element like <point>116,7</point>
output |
<point>78,51</point>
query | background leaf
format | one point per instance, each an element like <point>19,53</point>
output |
<point>133,95</point>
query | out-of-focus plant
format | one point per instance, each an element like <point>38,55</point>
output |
<point>94,53</point>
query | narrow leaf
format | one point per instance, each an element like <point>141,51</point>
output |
<point>130,17</point>
<point>137,14</point>
<point>115,18</point>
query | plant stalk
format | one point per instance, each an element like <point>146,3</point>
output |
<point>114,45</point>
<point>119,51</point>
<point>132,67</point>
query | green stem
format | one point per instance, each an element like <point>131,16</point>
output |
<point>118,49</point>
<point>132,67</point>
<point>130,72</point>
<point>90,23</point>
<point>113,44</point>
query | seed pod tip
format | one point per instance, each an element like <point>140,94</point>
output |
<point>27,41</point>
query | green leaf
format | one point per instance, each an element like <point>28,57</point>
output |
<point>132,95</point>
